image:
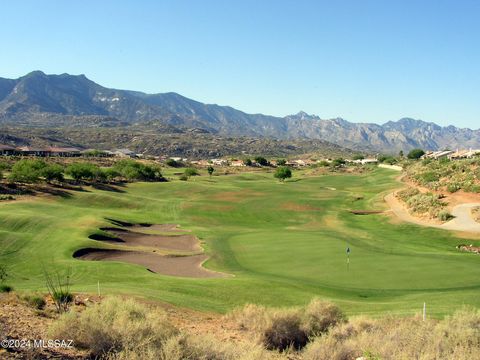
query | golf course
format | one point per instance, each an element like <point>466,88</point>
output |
<point>264,241</point>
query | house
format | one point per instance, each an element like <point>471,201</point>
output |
<point>438,154</point>
<point>33,151</point>
<point>64,151</point>
<point>464,154</point>
<point>366,161</point>
<point>237,163</point>
<point>124,153</point>
<point>7,150</point>
<point>219,162</point>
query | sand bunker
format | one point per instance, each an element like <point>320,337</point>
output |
<point>127,235</point>
<point>185,266</point>
<point>167,242</point>
<point>365,212</point>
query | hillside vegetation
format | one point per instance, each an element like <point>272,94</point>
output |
<point>123,328</point>
<point>446,175</point>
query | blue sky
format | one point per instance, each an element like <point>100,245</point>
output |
<point>366,61</point>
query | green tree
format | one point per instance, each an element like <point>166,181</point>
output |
<point>415,154</point>
<point>247,162</point>
<point>261,161</point>
<point>281,162</point>
<point>172,163</point>
<point>400,153</point>
<point>84,171</point>
<point>283,173</point>
<point>27,171</point>
<point>132,170</point>
<point>210,170</point>
<point>338,162</point>
<point>52,172</point>
<point>358,157</point>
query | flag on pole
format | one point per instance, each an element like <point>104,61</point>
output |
<point>348,258</point>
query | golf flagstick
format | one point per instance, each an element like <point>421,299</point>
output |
<point>348,258</point>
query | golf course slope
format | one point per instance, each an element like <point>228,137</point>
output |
<point>282,244</point>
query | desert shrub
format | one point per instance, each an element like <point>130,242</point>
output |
<point>319,316</point>
<point>444,215</point>
<point>173,163</point>
<point>36,301</point>
<point>209,348</point>
<point>27,171</point>
<point>455,337</point>
<point>284,328</point>
<point>407,193</point>
<point>6,197</point>
<point>250,317</point>
<point>324,163</point>
<point>338,162</point>
<point>191,172</point>
<point>328,348</point>
<point>426,204</point>
<point>285,331</point>
<point>58,286</point>
<point>281,162</point>
<point>5,288</point>
<point>428,176</point>
<point>115,326</point>
<point>390,160</point>
<point>451,188</point>
<point>183,177</point>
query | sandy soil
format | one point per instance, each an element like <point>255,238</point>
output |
<point>185,266</point>
<point>19,321</point>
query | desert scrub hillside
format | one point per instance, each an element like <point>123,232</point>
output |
<point>446,175</point>
<point>428,204</point>
<point>120,328</point>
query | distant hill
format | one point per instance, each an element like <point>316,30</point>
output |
<point>40,100</point>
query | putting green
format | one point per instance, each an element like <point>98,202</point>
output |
<point>283,242</point>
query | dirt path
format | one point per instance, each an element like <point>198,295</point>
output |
<point>463,220</point>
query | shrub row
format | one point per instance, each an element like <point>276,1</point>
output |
<point>33,170</point>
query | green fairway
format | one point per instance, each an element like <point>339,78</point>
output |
<point>283,242</point>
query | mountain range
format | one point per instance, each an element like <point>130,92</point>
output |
<point>40,100</point>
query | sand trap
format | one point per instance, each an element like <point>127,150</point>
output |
<point>366,212</point>
<point>184,266</point>
<point>168,242</point>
